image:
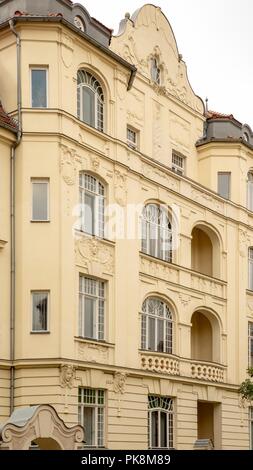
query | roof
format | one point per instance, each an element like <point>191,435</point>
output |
<point>216,115</point>
<point>7,121</point>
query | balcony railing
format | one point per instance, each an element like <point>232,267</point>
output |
<point>173,365</point>
<point>164,365</point>
<point>207,371</point>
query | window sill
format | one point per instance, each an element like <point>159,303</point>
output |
<point>94,341</point>
<point>40,221</point>
<point>83,234</point>
<point>39,332</point>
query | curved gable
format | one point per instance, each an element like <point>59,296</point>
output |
<point>148,34</point>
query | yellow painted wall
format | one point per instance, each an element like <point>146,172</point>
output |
<point>50,256</point>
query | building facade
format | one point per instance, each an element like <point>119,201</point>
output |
<point>126,235</point>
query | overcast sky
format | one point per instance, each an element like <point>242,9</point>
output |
<point>215,39</point>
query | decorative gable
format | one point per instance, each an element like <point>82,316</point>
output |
<point>146,36</point>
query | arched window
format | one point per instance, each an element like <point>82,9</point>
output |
<point>90,100</point>
<point>160,422</point>
<point>156,326</point>
<point>155,72</point>
<point>92,195</point>
<point>156,232</point>
<point>250,191</point>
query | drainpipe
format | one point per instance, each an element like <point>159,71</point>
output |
<point>12,219</point>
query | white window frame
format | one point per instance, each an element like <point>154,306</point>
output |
<point>96,406</point>
<point>251,427</point>
<point>100,126</point>
<point>250,268</point>
<point>98,298</point>
<point>47,292</point>
<point>250,343</point>
<point>133,144</point>
<point>45,181</point>
<point>37,67</point>
<point>99,201</point>
<point>250,191</point>
<point>161,405</point>
<point>168,327</point>
<point>229,180</point>
<point>176,167</point>
<point>156,222</point>
<point>155,72</point>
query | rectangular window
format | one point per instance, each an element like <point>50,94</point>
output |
<point>251,426</point>
<point>39,87</point>
<point>160,422</point>
<point>132,138</point>
<point>91,308</point>
<point>40,200</point>
<point>250,344</point>
<point>178,164</point>
<point>250,262</point>
<point>91,415</point>
<point>224,183</point>
<point>40,311</point>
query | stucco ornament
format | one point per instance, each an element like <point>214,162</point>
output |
<point>67,377</point>
<point>119,385</point>
<point>68,164</point>
<point>120,188</point>
<point>119,382</point>
<point>94,254</point>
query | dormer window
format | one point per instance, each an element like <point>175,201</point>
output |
<point>155,72</point>
<point>79,23</point>
<point>245,137</point>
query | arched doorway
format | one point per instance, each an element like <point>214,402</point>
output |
<point>39,427</point>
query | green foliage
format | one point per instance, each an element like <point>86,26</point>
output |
<point>246,388</point>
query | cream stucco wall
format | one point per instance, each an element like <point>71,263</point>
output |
<point>50,256</point>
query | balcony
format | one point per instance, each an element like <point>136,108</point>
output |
<point>175,366</point>
<point>159,363</point>
<point>182,276</point>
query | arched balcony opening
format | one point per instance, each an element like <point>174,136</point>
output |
<point>205,251</point>
<point>205,337</point>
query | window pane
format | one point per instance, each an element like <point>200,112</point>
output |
<point>100,426</point>
<point>250,195</point>
<point>160,335</point>
<point>89,425</point>
<point>154,429</point>
<point>250,274</point>
<point>89,212</point>
<point>153,240</point>
<point>224,184</point>
<point>88,106</point>
<point>101,319</point>
<point>39,88</point>
<point>163,429</point>
<point>40,201</point>
<point>151,342</point>
<point>251,352</point>
<point>40,311</point>
<point>90,316</point>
